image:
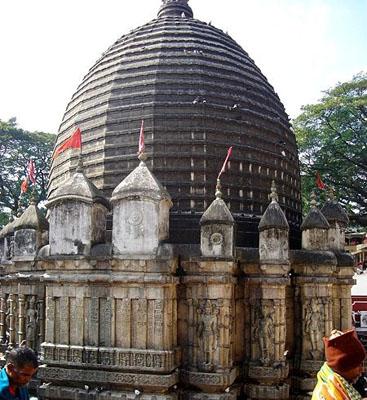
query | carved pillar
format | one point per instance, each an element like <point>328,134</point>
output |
<point>265,291</point>
<point>207,327</point>
<point>342,302</point>
<point>21,316</point>
<point>313,279</point>
<point>2,317</point>
<point>11,320</point>
<point>267,367</point>
<point>41,321</point>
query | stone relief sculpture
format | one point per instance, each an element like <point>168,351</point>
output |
<point>31,323</point>
<point>207,330</point>
<point>314,327</point>
<point>264,332</point>
<point>134,226</point>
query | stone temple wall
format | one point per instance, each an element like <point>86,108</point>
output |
<point>140,318</point>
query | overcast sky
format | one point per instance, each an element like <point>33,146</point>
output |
<point>302,46</point>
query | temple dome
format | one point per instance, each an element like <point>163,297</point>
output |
<point>198,92</point>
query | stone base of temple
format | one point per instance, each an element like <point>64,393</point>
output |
<point>99,380</point>
<point>209,382</point>
<point>230,394</point>
<point>50,391</point>
<point>263,392</point>
<point>304,387</point>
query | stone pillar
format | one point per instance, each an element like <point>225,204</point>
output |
<point>21,318</point>
<point>217,229</point>
<point>30,230</point>
<point>207,328</point>
<point>78,213</point>
<point>265,291</point>
<point>11,318</point>
<point>2,317</point>
<point>342,301</point>
<point>338,220</point>
<point>313,269</point>
<point>2,243</point>
<point>140,213</point>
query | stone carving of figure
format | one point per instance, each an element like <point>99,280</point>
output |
<point>31,323</point>
<point>207,330</point>
<point>314,327</point>
<point>264,332</point>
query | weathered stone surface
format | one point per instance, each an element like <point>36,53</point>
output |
<point>209,382</point>
<point>274,233</point>
<point>334,212</point>
<point>78,213</point>
<point>338,220</point>
<point>107,378</point>
<point>273,217</point>
<point>140,214</point>
<point>231,393</point>
<point>217,231</point>
<point>26,242</point>
<point>315,230</point>
<point>263,392</point>
<point>49,392</point>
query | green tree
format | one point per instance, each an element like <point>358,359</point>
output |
<point>332,140</point>
<point>17,146</point>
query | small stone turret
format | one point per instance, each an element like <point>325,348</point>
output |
<point>140,213</point>
<point>315,228</point>
<point>7,235</point>
<point>338,220</point>
<point>274,229</point>
<point>30,231</point>
<point>78,213</point>
<point>217,229</point>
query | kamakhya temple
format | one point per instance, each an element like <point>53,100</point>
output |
<point>152,280</point>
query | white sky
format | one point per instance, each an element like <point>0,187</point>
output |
<point>47,46</point>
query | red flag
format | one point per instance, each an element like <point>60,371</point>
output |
<point>229,152</point>
<point>74,142</point>
<point>141,138</point>
<point>319,183</point>
<point>31,171</point>
<point>24,186</point>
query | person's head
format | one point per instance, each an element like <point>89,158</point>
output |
<point>21,365</point>
<point>345,354</point>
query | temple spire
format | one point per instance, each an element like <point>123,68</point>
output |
<point>175,8</point>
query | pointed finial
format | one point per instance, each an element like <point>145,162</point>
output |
<point>19,212</point>
<point>331,193</point>
<point>34,198</point>
<point>79,167</point>
<point>313,202</point>
<point>218,190</point>
<point>142,156</point>
<point>273,195</point>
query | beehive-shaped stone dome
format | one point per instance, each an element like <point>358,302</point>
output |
<point>198,93</point>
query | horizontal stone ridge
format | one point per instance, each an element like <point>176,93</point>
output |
<point>198,92</point>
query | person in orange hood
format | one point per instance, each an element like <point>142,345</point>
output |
<point>344,365</point>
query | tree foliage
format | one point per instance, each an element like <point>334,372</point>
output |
<point>332,140</point>
<point>17,146</point>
